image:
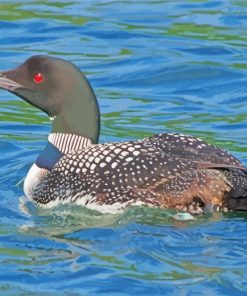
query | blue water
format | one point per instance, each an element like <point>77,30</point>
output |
<point>155,66</point>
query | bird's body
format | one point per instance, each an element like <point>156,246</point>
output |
<point>165,170</point>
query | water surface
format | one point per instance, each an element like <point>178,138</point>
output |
<point>155,66</point>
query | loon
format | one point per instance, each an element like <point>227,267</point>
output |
<point>168,170</point>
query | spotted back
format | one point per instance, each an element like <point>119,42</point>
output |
<point>116,172</point>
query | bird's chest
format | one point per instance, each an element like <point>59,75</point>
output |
<point>33,179</point>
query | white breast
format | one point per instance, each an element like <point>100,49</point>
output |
<point>33,178</point>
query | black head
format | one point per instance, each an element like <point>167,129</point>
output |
<point>43,81</point>
<point>58,88</point>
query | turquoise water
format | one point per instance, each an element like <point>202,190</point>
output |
<point>155,66</point>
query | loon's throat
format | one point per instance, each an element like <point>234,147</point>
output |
<point>57,146</point>
<point>66,142</point>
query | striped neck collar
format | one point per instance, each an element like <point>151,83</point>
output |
<point>66,143</point>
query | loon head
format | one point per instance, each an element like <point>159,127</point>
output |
<point>59,89</point>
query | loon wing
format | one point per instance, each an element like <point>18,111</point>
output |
<point>182,146</point>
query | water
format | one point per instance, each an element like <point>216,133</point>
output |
<point>155,66</point>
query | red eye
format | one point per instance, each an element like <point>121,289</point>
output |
<point>38,78</point>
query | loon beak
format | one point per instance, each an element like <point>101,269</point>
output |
<point>7,83</point>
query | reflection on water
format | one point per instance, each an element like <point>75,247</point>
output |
<point>155,66</point>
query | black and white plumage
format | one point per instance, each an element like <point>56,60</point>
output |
<point>165,170</point>
<point>160,171</point>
